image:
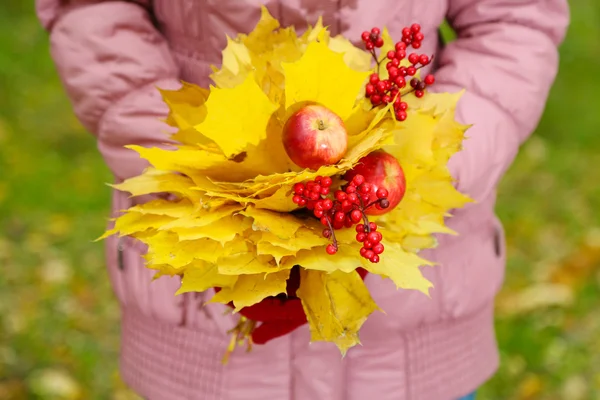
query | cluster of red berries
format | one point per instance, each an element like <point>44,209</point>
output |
<point>385,91</point>
<point>344,210</point>
<point>371,241</point>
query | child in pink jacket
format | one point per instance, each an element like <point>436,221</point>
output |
<point>111,56</point>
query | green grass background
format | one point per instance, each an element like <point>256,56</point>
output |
<point>59,321</point>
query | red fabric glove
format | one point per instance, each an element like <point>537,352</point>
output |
<point>282,314</point>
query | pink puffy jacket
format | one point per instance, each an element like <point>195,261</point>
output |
<point>111,56</point>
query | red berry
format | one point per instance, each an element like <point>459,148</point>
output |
<point>360,228</point>
<point>298,188</point>
<point>325,191</point>
<point>381,87</point>
<point>340,216</point>
<point>365,188</point>
<point>419,93</point>
<point>302,202</point>
<point>415,28</point>
<point>326,181</point>
<point>416,45</point>
<point>346,206</point>
<point>411,71</point>
<point>319,213</point>
<point>367,243</point>
<point>386,99</point>
<point>379,236</point>
<point>327,204</point>
<point>374,78</point>
<point>393,72</point>
<point>340,196</point>
<point>338,224</point>
<point>376,99</point>
<point>325,221</point>
<point>327,233</point>
<point>407,40</point>
<point>316,188</point>
<point>314,196</point>
<point>400,82</point>
<point>365,198</point>
<point>372,226</point>
<point>421,86</point>
<point>319,206</point>
<point>403,106</point>
<point>400,46</point>
<point>429,79</point>
<point>296,199</point>
<point>406,32</point>
<point>331,249</point>
<point>348,222</point>
<point>391,54</point>
<point>361,236</point>
<point>395,62</point>
<point>379,42</point>
<point>414,82</point>
<point>401,115</point>
<point>369,46</point>
<point>375,31</point>
<point>369,254</point>
<point>353,198</point>
<point>378,248</point>
<point>350,189</point>
<point>402,71</point>
<point>369,89</point>
<point>374,259</point>
<point>365,36</point>
<point>424,59</point>
<point>356,215</point>
<point>413,58</point>
<point>383,204</point>
<point>418,37</point>
<point>358,180</point>
<point>381,193</point>
<point>400,55</point>
<point>372,237</point>
<point>363,251</point>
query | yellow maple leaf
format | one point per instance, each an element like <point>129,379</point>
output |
<point>303,239</point>
<point>251,289</point>
<point>248,263</point>
<point>252,110</point>
<point>402,267</point>
<point>155,181</point>
<point>281,225</point>
<point>312,79</point>
<point>223,230</point>
<point>354,57</point>
<point>336,306</point>
<point>200,276</point>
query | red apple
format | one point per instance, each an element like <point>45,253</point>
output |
<point>315,136</point>
<point>381,170</point>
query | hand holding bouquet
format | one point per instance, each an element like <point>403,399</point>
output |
<point>309,164</point>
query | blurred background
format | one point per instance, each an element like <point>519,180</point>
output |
<point>59,321</point>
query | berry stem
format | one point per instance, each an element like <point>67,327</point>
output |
<point>333,239</point>
<point>364,216</point>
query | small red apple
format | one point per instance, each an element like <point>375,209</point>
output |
<point>315,136</point>
<point>381,170</point>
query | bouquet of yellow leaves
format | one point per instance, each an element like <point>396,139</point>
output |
<point>308,165</point>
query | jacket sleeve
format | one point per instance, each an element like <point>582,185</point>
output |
<point>111,59</point>
<point>506,57</point>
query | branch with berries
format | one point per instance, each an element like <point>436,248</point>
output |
<point>391,90</point>
<point>346,209</point>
